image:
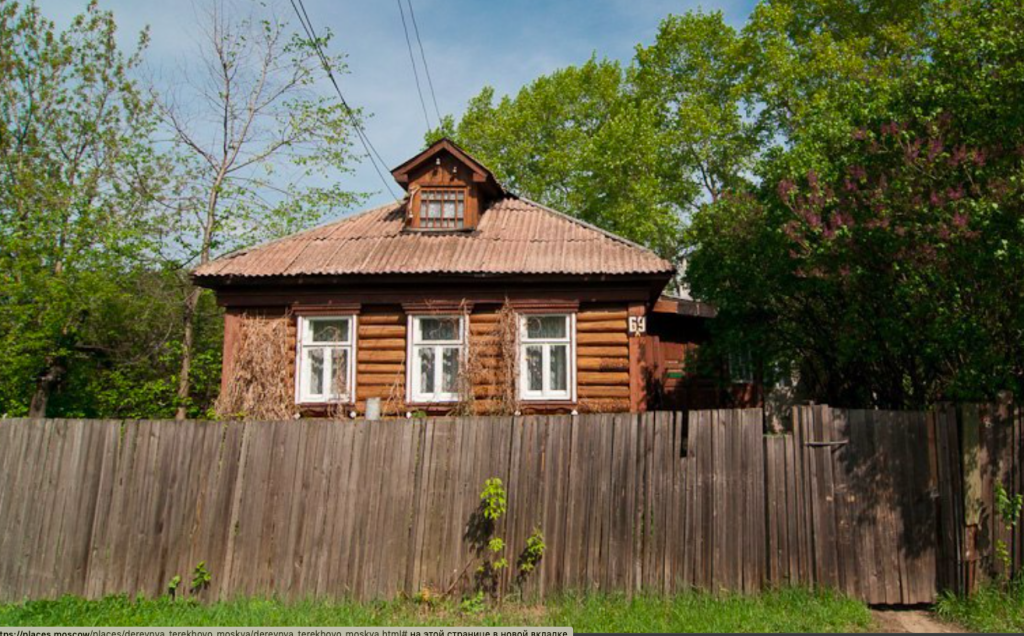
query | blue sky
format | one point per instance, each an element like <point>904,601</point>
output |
<point>468,45</point>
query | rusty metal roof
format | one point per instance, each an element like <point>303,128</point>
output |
<point>515,236</point>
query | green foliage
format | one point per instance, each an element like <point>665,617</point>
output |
<point>885,220</point>
<point>993,608</point>
<point>902,117</point>
<point>475,604</point>
<point>783,611</point>
<point>1008,510</point>
<point>577,141</point>
<point>201,578</point>
<point>533,553</point>
<point>172,585</point>
<point>77,177</point>
<point>100,220</point>
<point>493,499</point>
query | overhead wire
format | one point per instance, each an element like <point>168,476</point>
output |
<point>423,55</point>
<point>412,60</point>
<point>368,147</point>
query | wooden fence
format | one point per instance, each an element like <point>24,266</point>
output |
<point>879,505</point>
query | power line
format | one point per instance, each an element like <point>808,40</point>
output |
<point>371,152</point>
<point>412,59</point>
<point>426,69</point>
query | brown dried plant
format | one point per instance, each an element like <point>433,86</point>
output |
<point>260,385</point>
<point>507,400</point>
<point>477,371</point>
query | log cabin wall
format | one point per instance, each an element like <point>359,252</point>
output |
<point>233,324</point>
<point>602,358</point>
<point>380,357</point>
<point>603,371</point>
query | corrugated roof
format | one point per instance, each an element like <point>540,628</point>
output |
<point>515,236</point>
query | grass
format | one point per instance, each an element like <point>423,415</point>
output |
<point>991,609</point>
<point>790,610</point>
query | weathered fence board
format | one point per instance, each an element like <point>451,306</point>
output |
<point>871,503</point>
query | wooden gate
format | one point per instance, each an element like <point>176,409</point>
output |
<point>856,502</point>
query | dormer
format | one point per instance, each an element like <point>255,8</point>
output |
<point>448,189</point>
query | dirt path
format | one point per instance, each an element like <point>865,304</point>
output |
<point>912,621</point>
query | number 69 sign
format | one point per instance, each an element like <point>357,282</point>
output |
<point>637,325</point>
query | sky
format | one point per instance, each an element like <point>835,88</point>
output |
<point>468,45</point>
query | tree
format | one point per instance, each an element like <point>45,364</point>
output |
<point>577,141</point>
<point>76,183</point>
<point>882,253</point>
<point>692,77</point>
<point>260,150</point>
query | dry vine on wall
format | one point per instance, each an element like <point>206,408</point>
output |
<point>497,372</point>
<point>260,384</point>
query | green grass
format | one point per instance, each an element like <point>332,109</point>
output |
<point>992,609</point>
<point>782,611</point>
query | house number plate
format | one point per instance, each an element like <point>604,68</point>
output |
<point>637,325</point>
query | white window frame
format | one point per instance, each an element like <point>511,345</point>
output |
<point>546,394</point>
<point>305,344</point>
<point>414,394</point>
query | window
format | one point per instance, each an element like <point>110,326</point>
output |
<point>547,359</point>
<point>325,359</point>
<point>435,357</point>
<point>741,368</point>
<point>442,209</point>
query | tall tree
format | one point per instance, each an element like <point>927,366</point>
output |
<point>886,230</point>
<point>260,149</point>
<point>692,77</point>
<point>76,178</point>
<point>576,140</point>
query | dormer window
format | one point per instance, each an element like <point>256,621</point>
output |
<point>448,189</point>
<point>443,208</point>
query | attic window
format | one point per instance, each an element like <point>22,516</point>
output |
<point>442,209</point>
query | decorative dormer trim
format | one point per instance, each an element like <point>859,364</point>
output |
<point>478,172</point>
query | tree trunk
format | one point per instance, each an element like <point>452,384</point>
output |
<point>184,380</point>
<point>45,385</point>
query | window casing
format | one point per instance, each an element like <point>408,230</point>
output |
<point>741,368</point>
<point>547,359</point>
<point>436,354</point>
<point>326,359</point>
<point>443,208</point>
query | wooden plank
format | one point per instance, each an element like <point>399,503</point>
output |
<point>602,378</point>
<point>602,339</point>
<point>601,316</point>
<point>367,319</point>
<point>594,326</point>
<point>603,364</point>
<point>602,351</point>
<point>805,501</point>
<point>591,391</point>
<point>888,539</point>
<point>380,344</point>
<point>842,465</point>
<point>370,355</point>
<point>828,513</point>
<point>372,331</point>
<point>687,537</point>
<point>858,478</point>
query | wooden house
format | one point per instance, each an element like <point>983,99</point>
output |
<point>463,297</point>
